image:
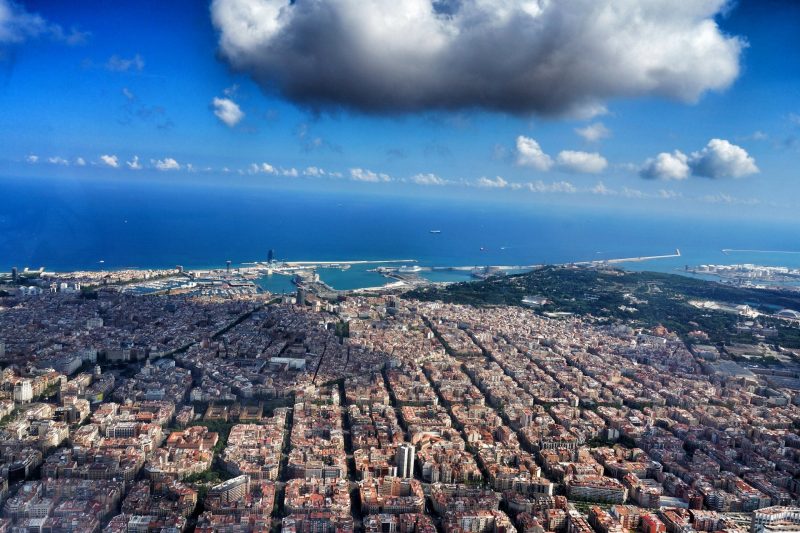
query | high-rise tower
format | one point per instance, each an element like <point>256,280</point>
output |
<point>405,461</point>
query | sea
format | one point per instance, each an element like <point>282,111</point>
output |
<point>65,225</point>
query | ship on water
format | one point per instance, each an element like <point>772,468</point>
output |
<point>436,231</point>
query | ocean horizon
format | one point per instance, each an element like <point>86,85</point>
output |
<point>88,225</point>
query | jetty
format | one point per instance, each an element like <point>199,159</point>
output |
<point>629,259</point>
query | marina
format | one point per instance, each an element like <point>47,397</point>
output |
<point>397,273</point>
<point>323,278</point>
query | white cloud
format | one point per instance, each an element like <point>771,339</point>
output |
<point>134,163</point>
<point>558,57</point>
<point>32,159</point>
<point>360,174</point>
<point>116,63</point>
<point>601,189</point>
<point>594,132</point>
<point>289,172</point>
<point>72,37</point>
<point>583,162</point>
<point>228,111</point>
<point>314,172</point>
<point>57,160</point>
<point>263,168</point>
<point>721,159</point>
<point>530,154</point>
<point>722,198</point>
<point>496,183</point>
<point>428,179</point>
<point>167,163</point>
<point>539,186</point>
<point>667,194</point>
<point>128,94</point>
<point>110,160</point>
<point>79,161</point>
<point>627,192</point>
<point>666,166</point>
<point>18,25</point>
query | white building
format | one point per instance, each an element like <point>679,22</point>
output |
<point>777,518</point>
<point>30,291</point>
<point>23,391</point>
<point>405,461</point>
<point>89,355</point>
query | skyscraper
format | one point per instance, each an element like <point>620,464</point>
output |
<point>270,256</point>
<point>405,461</point>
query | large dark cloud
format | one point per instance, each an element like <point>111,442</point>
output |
<point>517,56</point>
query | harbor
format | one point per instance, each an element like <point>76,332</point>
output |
<point>396,274</point>
<point>326,279</point>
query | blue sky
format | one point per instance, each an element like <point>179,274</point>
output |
<point>87,87</point>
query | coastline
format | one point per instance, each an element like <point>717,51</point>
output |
<point>367,275</point>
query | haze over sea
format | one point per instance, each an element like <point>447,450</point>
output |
<point>75,224</point>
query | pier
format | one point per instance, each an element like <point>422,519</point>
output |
<point>399,271</point>
<point>728,251</point>
<point>629,259</point>
<point>341,263</point>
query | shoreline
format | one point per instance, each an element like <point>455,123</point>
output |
<point>308,274</point>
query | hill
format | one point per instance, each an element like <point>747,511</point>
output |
<point>638,298</point>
